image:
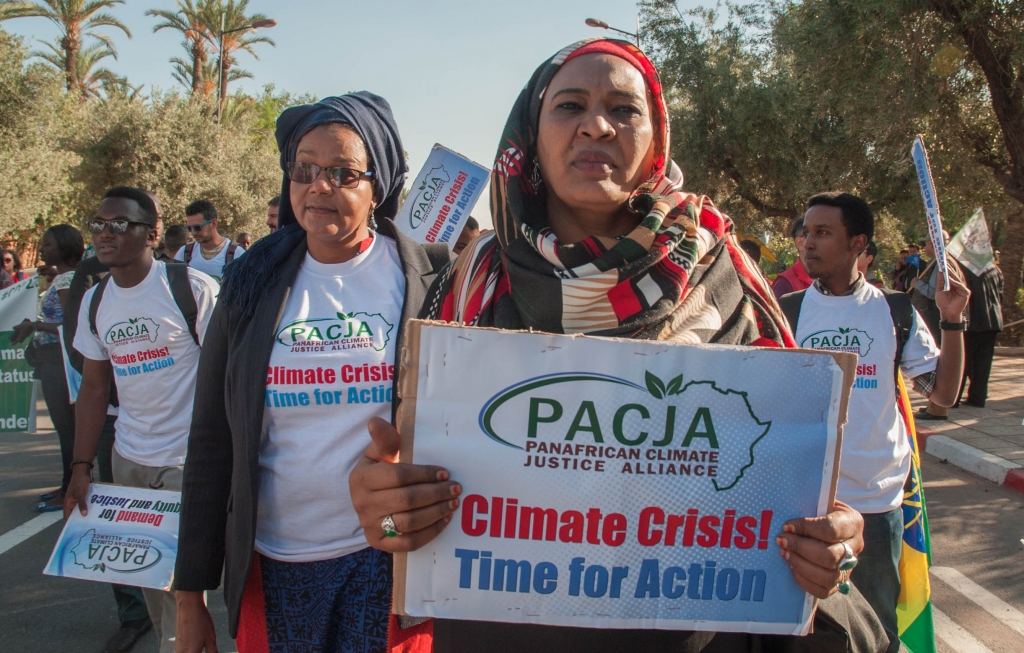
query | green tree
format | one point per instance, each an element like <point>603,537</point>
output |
<point>76,20</point>
<point>91,79</point>
<point>230,16</point>
<point>192,19</point>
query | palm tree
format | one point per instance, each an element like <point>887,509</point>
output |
<point>91,80</point>
<point>229,16</point>
<point>12,9</point>
<point>76,19</point>
<point>191,19</point>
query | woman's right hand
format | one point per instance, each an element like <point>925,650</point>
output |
<point>194,631</point>
<point>419,498</point>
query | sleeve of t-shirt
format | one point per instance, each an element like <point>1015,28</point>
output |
<point>86,342</point>
<point>180,254</point>
<point>63,281</point>
<point>920,355</point>
<point>205,290</point>
<point>239,252</point>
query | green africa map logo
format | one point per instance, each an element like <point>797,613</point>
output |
<point>673,419</point>
<point>428,192</point>
<point>345,331</point>
<point>114,553</point>
<point>136,329</point>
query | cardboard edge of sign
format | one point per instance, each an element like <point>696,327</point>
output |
<point>406,422</point>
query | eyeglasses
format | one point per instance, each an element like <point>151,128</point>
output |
<point>96,226</point>
<point>196,228</point>
<point>8,260</point>
<point>307,173</point>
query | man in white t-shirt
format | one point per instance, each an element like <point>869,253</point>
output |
<point>842,312</point>
<point>139,334</point>
<point>210,252</point>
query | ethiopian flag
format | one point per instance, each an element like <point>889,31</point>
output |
<point>914,610</point>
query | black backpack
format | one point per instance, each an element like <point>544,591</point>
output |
<point>900,309</point>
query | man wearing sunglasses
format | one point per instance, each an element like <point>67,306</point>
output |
<point>211,252</point>
<point>137,327</point>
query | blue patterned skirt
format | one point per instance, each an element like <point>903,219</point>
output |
<point>330,606</point>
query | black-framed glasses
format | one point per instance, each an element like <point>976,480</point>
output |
<point>196,228</point>
<point>307,173</point>
<point>117,226</point>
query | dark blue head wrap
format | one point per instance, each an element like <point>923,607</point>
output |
<point>370,115</point>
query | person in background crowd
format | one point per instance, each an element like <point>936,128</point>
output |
<point>866,265</point>
<point>297,569</point>
<point>922,296</point>
<point>160,249</point>
<point>983,326</point>
<point>156,407</point>
<point>752,249</point>
<point>273,206</point>
<point>876,449</point>
<point>62,248</point>
<point>5,279</point>
<point>175,239</point>
<point>244,240</point>
<point>899,271</point>
<point>469,232</point>
<point>211,252</point>
<point>625,215</point>
<point>795,277</point>
<point>914,261</point>
<point>12,265</point>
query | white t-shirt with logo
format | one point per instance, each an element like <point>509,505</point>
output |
<point>876,452</point>
<point>213,267</point>
<point>331,370</point>
<point>145,337</point>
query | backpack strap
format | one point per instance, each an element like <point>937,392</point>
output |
<point>94,303</point>
<point>94,307</point>
<point>189,249</point>
<point>230,254</point>
<point>439,254</point>
<point>790,304</point>
<point>902,313</point>
<point>181,290</point>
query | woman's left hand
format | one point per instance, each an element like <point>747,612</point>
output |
<point>22,331</point>
<point>813,547</point>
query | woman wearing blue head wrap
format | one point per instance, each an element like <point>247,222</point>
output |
<point>299,354</point>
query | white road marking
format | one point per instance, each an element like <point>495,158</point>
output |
<point>954,636</point>
<point>16,536</point>
<point>991,603</point>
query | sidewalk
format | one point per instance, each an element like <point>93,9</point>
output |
<point>986,441</point>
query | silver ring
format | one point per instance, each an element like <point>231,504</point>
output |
<point>388,525</point>
<point>849,560</point>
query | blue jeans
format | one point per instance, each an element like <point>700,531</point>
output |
<point>877,574</point>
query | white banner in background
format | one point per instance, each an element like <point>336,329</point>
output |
<point>931,206</point>
<point>17,378</point>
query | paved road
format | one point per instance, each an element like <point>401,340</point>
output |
<point>976,531</point>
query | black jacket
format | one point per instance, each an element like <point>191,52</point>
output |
<point>985,309</point>
<point>221,484</point>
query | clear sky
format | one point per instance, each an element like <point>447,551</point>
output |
<point>451,70</point>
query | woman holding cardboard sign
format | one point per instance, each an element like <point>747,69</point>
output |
<point>594,235</point>
<point>299,354</point>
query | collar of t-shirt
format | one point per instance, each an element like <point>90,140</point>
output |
<point>820,287</point>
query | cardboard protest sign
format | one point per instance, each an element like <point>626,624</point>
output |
<point>972,246</point>
<point>931,206</point>
<point>442,197</point>
<point>17,379</point>
<point>617,483</point>
<point>130,536</point>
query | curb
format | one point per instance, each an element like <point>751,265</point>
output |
<point>980,463</point>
